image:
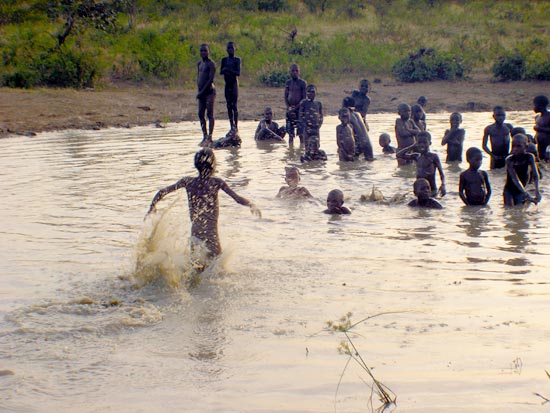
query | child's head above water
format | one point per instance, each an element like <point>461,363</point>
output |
<point>423,141</point>
<point>540,103</point>
<point>335,199</point>
<point>205,162</point>
<point>292,176</point>
<point>268,113</point>
<point>384,139</point>
<point>422,189</point>
<point>474,156</point>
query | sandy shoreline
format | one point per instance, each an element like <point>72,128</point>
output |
<point>32,111</point>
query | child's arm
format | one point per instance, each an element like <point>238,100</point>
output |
<point>437,163</point>
<point>485,141</point>
<point>402,130</point>
<point>461,185</point>
<point>487,186</point>
<point>446,137</point>
<point>408,153</point>
<point>165,191</point>
<point>535,175</point>
<point>320,114</point>
<point>240,200</point>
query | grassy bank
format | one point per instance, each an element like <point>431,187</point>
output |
<point>157,42</point>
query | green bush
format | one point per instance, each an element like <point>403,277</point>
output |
<point>274,75</point>
<point>510,66</point>
<point>67,68</point>
<point>428,64</point>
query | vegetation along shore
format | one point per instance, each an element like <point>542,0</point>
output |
<point>92,64</point>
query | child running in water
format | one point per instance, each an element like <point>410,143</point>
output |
<point>202,195</point>
<point>473,185</point>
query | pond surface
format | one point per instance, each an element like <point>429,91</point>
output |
<point>462,294</point>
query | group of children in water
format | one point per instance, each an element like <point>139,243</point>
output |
<point>304,117</point>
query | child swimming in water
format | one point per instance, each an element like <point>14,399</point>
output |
<point>292,178</point>
<point>335,203</point>
<point>423,192</point>
<point>202,195</point>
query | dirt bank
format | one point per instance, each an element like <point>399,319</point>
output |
<point>33,111</point>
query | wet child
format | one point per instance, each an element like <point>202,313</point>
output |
<point>335,203</point>
<point>423,191</point>
<point>310,115</point>
<point>206,93</point>
<point>423,102</point>
<point>542,126</point>
<point>418,116</point>
<point>202,196</point>
<point>292,178</point>
<point>362,100</point>
<point>344,137</point>
<point>499,135</point>
<point>426,162</point>
<point>231,70</point>
<point>385,140</point>
<point>520,165</point>
<point>362,140</point>
<point>473,186</point>
<point>312,152</point>
<point>454,138</point>
<point>295,92</point>
<point>268,129</point>
<point>405,131</point>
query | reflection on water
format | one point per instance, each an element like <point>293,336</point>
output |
<point>102,310</point>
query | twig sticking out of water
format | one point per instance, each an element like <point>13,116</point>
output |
<point>347,347</point>
<point>546,399</point>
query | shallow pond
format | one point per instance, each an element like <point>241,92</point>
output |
<point>461,294</point>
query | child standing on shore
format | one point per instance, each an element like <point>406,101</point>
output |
<point>202,195</point>
<point>362,100</point>
<point>473,185</point>
<point>231,70</point>
<point>454,138</point>
<point>499,135</point>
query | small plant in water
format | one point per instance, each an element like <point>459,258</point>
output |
<point>347,347</point>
